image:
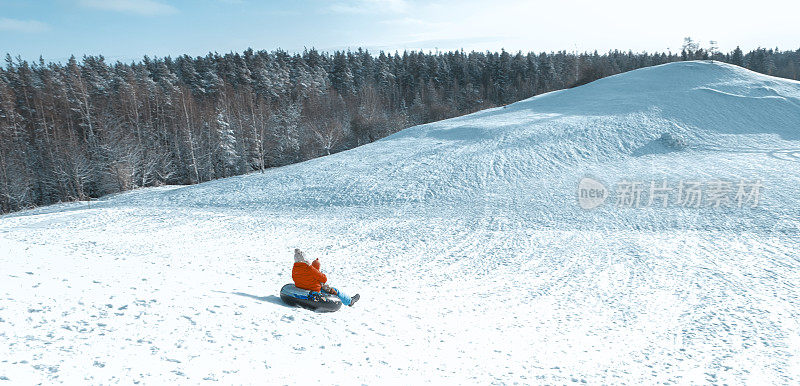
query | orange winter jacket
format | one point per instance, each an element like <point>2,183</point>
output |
<point>308,277</point>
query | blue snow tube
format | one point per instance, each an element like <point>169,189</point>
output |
<point>316,301</point>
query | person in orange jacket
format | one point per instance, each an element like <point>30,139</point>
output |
<point>308,277</point>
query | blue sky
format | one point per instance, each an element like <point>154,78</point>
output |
<point>128,29</point>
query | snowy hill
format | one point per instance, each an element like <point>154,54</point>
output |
<point>466,240</point>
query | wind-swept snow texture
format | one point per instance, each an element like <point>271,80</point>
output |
<point>474,261</point>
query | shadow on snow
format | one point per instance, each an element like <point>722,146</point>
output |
<point>271,298</point>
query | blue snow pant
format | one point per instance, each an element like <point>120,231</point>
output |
<point>328,289</point>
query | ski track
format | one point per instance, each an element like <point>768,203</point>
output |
<point>462,237</point>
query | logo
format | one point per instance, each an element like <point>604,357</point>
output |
<point>591,193</point>
<point>716,193</point>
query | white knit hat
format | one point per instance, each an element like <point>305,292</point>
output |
<point>299,256</point>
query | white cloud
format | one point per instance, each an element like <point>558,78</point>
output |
<point>601,25</point>
<point>139,7</point>
<point>369,6</point>
<point>407,22</point>
<point>29,26</point>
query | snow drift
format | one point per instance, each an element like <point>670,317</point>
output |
<point>465,239</point>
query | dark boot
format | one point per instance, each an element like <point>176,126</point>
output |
<point>354,299</point>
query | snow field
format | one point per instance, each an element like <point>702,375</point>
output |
<point>463,237</point>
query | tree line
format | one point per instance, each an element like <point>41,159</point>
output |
<point>84,129</point>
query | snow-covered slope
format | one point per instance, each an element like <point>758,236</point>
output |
<point>464,237</point>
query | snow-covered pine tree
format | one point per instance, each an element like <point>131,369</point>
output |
<point>227,155</point>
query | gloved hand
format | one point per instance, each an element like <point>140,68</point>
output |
<point>329,289</point>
